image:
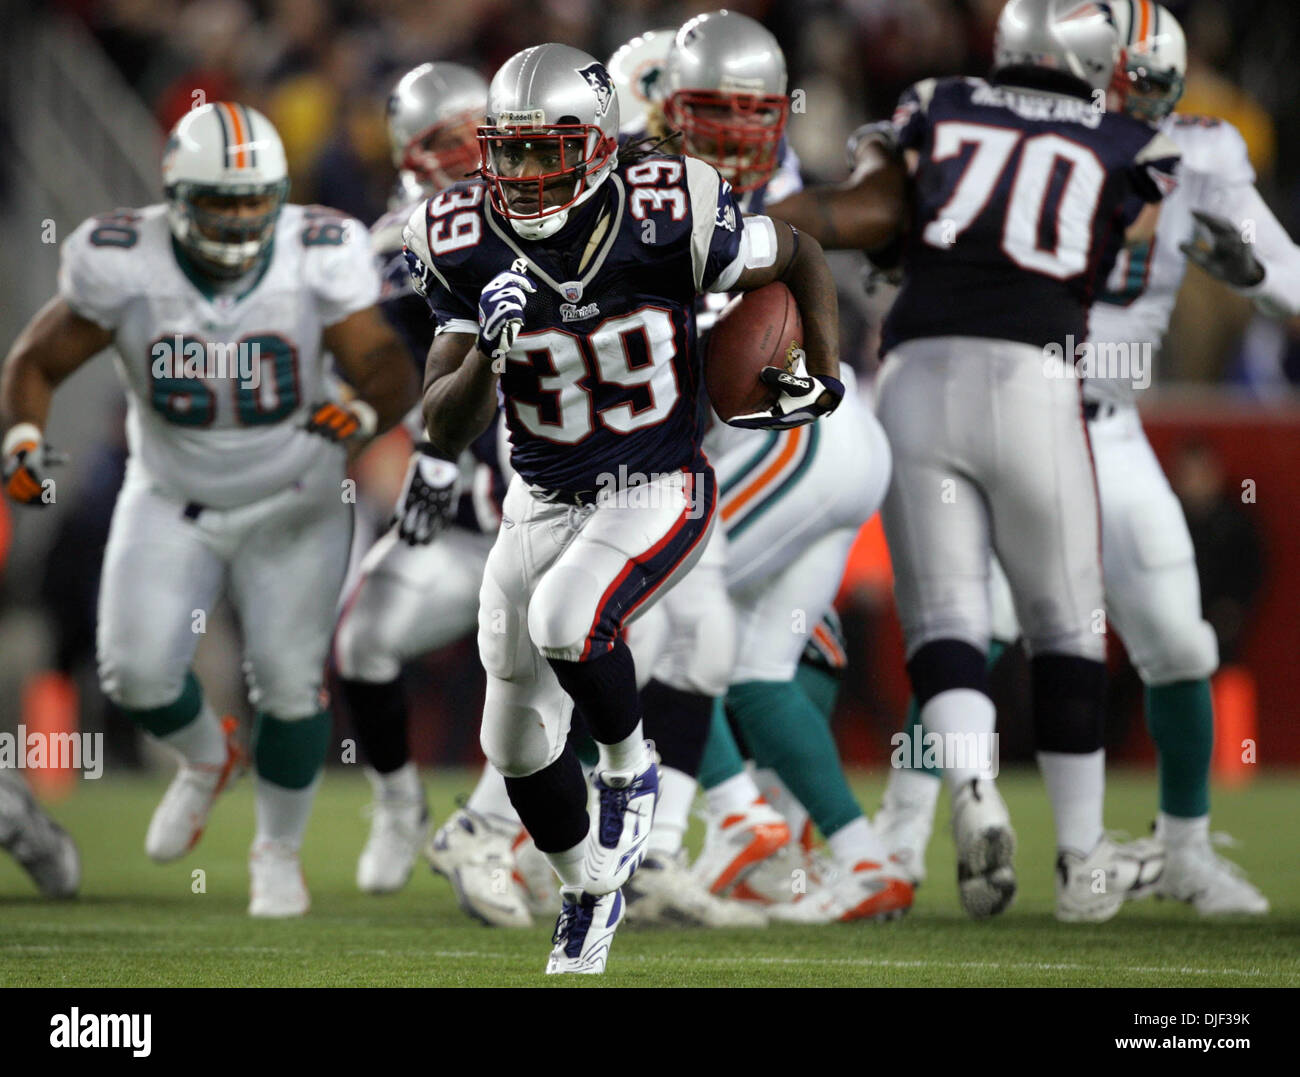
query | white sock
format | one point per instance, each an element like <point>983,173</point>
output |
<point>567,864</point>
<point>732,796</point>
<point>627,756</point>
<point>1076,786</point>
<point>913,786</point>
<point>959,712</point>
<point>855,842</point>
<point>672,813</point>
<point>282,814</point>
<point>202,741</point>
<point>400,784</point>
<point>1176,830</point>
<point>491,801</point>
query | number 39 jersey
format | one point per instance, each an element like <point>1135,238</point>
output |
<point>219,382</point>
<point>1021,199</point>
<point>604,381</point>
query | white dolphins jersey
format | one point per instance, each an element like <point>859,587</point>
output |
<point>1215,176</point>
<point>220,383</point>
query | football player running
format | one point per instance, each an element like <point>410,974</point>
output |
<point>418,586</point>
<point>991,449</point>
<point>792,503</point>
<point>221,305</point>
<point>1152,590</point>
<point>566,281</point>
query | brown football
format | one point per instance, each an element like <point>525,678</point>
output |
<point>756,329</point>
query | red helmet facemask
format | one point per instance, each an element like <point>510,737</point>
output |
<point>438,168</point>
<point>567,152</point>
<point>739,134</point>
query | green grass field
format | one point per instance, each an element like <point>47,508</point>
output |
<point>138,924</point>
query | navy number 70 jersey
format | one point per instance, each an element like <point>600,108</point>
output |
<point>1021,200</point>
<point>604,379</point>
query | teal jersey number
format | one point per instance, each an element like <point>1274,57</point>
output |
<point>262,369</point>
<point>277,394</point>
<point>185,401</point>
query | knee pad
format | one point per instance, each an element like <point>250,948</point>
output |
<point>946,664</point>
<point>1189,652</point>
<point>1069,699</point>
<point>138,681</point>
<point>559,614</point>
<point>361,653</point>
<point>514,734</point>
<point>278,688</point>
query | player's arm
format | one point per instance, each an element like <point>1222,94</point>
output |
<point>54,344</point>
<point>374,361</point>
<point>863,213</point>
<point>460,393</point>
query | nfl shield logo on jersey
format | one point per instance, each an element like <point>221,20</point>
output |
<point>572,291</point>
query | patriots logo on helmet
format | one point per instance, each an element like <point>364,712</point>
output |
<point>601,85</point>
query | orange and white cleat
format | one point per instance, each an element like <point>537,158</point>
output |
<point>870,891</point>
<point>737,844</point>
<point>178,821</point>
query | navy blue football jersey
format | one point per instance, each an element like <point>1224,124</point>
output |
<point>1021,197</point>
<point>603,383</point>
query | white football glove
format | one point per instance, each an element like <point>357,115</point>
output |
<point>801,398</point>
<point>501,309</point>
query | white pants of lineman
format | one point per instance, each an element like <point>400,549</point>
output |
<point>561,580</point>
<point>408,601</point>
<point>282,561</point>
<point>1153,594</point>
<point>792,503</point>
<point>990,454</point>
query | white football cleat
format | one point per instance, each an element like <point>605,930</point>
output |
<point>621,818</point>
<point>399,827</point>
<point>584,932</point>
<point>1195,873</point>
<point>535,877</point>
<point>477,861</point>
<point>663,892</point>
<point>36,841</point>
<point>735,845</point>
<point>181,815</point>
<point>1092,888</point>
<point>277,887</point>
<point>986,847</point>
<point>869,892</point>
<point>904,826</point>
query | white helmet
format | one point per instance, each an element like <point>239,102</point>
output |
<point>637,69</point>
<point>1155,58</point>
<point>561,98</point>
<point>224,151</point>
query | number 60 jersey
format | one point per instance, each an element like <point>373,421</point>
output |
<point>1022,197</point>
<point>219,382</point>
<point>605,372</point>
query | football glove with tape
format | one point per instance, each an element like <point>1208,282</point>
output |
<point>429,495</point>
<point>801,398</point>
<point>1218,248</point>
<point>26,458</point>
<point>339,422</point>
<point>501,309</point>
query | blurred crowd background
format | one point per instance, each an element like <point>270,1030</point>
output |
<point>321,70</point>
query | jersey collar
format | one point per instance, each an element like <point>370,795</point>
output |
<point>204,283</point>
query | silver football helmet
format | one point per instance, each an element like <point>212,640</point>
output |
<point>725,79</point>
<point>551,137</point>
<point>433,114</point>
<point>1073,37</point>
<point>1155,58</point>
